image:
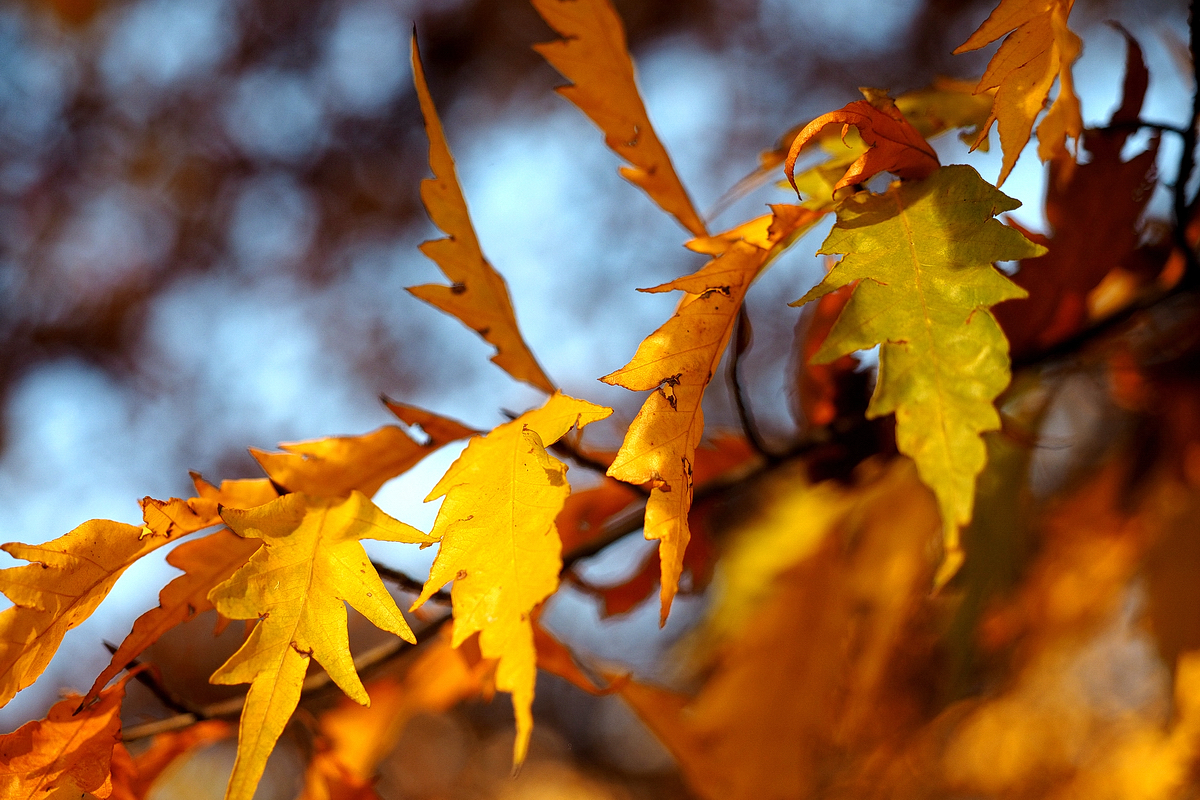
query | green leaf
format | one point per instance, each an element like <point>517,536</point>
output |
<point>922,253</point>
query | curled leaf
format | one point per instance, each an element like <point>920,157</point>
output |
<point>894,145</point>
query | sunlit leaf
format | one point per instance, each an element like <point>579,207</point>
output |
<point>1037,49</point>
<point>499,544</point>
<point>477,295</point>
<point>922,254</point>
<point>65,751</point>
<point>311,564</point>
<point>593,56</point>
<point>677,361</point>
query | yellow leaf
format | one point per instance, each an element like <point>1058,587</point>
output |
<point>677,361</point>
<point>67,580</point>
<point>336,466</point>
<point>477,295</point>
<point>593,56</point>
<point>310,565</point>
<point>177,516</point>
<point>1039,48</point>
<point>922,255</point>
<point>499,543</point>
<point>70,749</point>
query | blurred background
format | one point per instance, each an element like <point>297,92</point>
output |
<point>209,211</point>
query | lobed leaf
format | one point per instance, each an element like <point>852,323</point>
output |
<point>677,361</point>
<point>66,581</point>
<point>1039,48</point>
<point>477,295</point>
<point>499,543</point>
<point>922,254</point>
<point>338,465</point>
<point>592,55</point>
<point>71,750</point>
<point>311,563</point>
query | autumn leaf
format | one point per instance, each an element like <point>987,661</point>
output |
<point>178,516</point>
<point>1094,210</point>
<point>499,544</point>
<point>164,749</point>
<point>205,562</point>
<point>310,565</point>
<point>922,254</point>
<point>677,361</point>
<point>592,55</point>
<point>894,145</point>
<point>1039,48</point>
<point>66,751</point>
<point>66,581</point>
<point>477,295</point>
<point>336,466</point>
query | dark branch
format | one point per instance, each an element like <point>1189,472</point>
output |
<point>408,583</point>
<point>742,338</point>
<point>1184,208</point>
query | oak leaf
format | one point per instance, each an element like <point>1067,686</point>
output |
<point>66,581</point>
<point>677,361</point>
<point>894,145</point>
<point>592,55</point>
<point>477,295</point>
<point>71,749</point>
<point>338,465</point>
<point>1039,48</point>
<point>1094,211</point>
<point>296,585</point>
<point>922,254</point>
<point>499,544</point>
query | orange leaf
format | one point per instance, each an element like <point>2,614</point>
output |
<point>1094,210</point>
<point>336,466</point>
<point>67,750</point>
<point>593,56</point>
<point>1039,48</point>
<point>677,361</point>
<point>477,295</point>
<point>67,580</point>
<point>583,515</point>
<point>205,562</point>
<point>895,146</point>
<point>176,516</point>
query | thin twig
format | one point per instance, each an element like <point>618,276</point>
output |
<point>741,343</point>
<point>407,583</point>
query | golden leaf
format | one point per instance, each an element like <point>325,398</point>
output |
<point>677,361</point>
<point>310,565</point>
<point>499,544</point>
<point>593,56</point>
<point>1039,48</point>
<point>477,295</point>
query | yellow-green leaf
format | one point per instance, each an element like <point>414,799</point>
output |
<point>297,584</point>
<point>499,543</point>
<point>677,361</point>
<point>477,295</point>
<point>593,56</point>
<point>65,582</point>
<point>922,254</point>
